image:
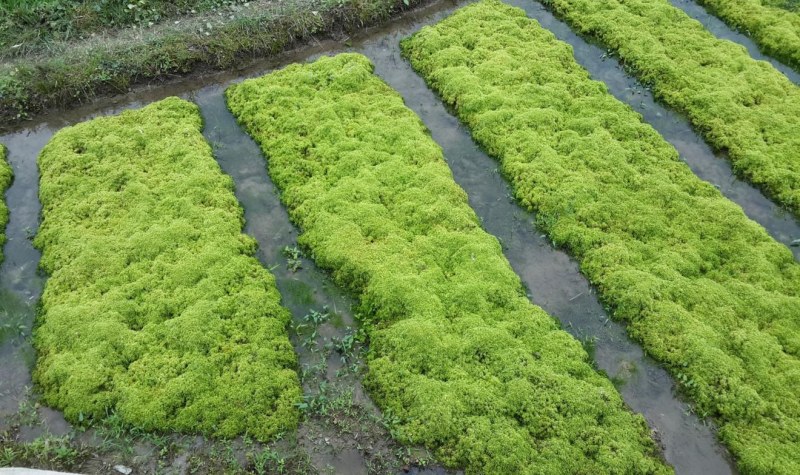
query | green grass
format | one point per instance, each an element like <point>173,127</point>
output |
<point>460,360</point>
<point>76,73</point>
<point>29,24</point>
<point>155,307</point>
<point>773,25</point>
<point>6,177</point>
<point>705,290</point>
<point>43,452</point>
<point>743,107</point>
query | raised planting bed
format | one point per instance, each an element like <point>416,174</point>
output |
<point>6,176</point>
<point>773,24</point>
<point>459,359</point>
<point>742,107</point>
<point>704,289</point>
<point>155,308</point>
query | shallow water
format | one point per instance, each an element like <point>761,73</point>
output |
<point>267,221</point>
<point>554,280</point>
<point>20,283</point>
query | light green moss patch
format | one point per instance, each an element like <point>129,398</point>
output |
<point>460,360</point>
<point>773,24</point>
<point>704,289</point>
<point>155,307</point>
<point>6,176</point>
<point>743,107</point>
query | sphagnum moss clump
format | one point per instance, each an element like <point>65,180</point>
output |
<point>155,307</point>
<point>743,107</point>
<point>6,176</point>
<point>704,289</point>
<point>459,358</point>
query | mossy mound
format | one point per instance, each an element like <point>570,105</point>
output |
<point>155,307</point>
<point>460,360</point>
<point>705,290</point>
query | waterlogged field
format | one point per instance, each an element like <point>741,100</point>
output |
<point>155,309</point>
<point>773,24</point>
<point>459,357</point>
<point>743,107</point>
<point>158,324</point>
<point>6,175</point>
<point>704,289</point>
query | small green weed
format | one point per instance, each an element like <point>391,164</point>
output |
<point>294,258</point>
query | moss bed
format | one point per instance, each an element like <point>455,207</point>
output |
<point>742,107</point>
<point>773,24</point>
<point>459,360</point>
<point>155,308</point>
<point>705,290</point>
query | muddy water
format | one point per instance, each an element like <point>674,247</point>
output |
<point>20,283</point>
<point>552,277</point>
<point>723,31</point>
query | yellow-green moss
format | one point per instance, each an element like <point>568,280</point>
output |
<point>6,176</point>
<point>460,360</point>
<point>706,290</point>
<point>743,107</point>
<point>774,27</point>
<point>155,307</point>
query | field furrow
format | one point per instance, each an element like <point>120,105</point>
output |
<point>705,290</point>
<point>459,359</point>
<point>156,309</point>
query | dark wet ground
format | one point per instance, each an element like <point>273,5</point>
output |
<point>342,431</point>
